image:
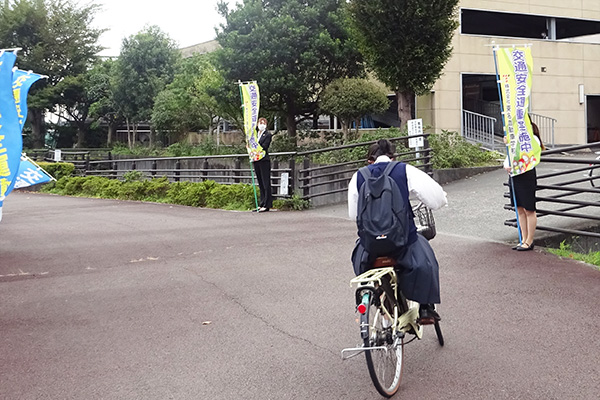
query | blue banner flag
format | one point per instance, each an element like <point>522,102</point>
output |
<point>11,142</point>
<point>31,174</point>
<point>22,81</point>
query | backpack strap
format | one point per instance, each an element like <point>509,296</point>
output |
<point>366,172</point>
<point>388,169</point>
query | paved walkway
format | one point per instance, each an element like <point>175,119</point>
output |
<point>476,207</point>
<point>105,299</point>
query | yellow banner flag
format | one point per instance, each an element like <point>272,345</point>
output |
<point>514,67</point>
<point>251,105</point>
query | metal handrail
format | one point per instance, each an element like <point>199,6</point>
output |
<point>570,193</point>
<point>478,128</point>
<point>225,156</point>
<point>304,178</point>
<point>546,127</point>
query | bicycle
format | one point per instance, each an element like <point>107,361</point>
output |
<point>387,317</point>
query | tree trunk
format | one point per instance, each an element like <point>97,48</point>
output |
<point>109,138</point>
<point>129,144</point>
<point>345,128</point>
<point>80,135</point>
<point>405,103</point>
<point>134,135</point>
<point>291,124</point>
<point>37,127</point>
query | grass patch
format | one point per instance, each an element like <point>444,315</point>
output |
<point>565,250</point>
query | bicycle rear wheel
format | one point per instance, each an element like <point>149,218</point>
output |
<point>386,362</point>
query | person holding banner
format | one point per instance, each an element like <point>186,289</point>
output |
<point>525,185</point>
<point>514,71</point>
<point>262,167</point>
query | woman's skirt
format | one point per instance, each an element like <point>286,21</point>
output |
<point>525,186</point>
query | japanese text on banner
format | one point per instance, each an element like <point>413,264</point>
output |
<point>514,70</point>
<point>251,106</point>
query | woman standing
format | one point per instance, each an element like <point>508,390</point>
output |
<point>263,167</point>
<point>524,186</point>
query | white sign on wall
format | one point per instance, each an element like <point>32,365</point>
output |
<point>284,182</point>
<point>415,127</point>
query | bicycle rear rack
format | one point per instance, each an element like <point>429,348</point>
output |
<point>373,275</point>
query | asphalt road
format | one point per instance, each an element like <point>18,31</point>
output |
<point>105,299</point>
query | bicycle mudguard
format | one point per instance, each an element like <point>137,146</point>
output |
<point>375,293</point>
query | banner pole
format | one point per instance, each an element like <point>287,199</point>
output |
<point>510,180</point>
<point>249,158</point>
<point>38,167</point>
<point>253,184</point>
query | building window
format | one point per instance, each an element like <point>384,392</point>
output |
<point>527,26</point>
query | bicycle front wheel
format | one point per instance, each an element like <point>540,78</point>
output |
<point>384,353</point>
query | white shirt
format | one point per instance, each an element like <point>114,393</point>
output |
<point>419,183</point>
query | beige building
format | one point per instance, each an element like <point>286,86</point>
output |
<point>565,40</point>
<point>200,48</point>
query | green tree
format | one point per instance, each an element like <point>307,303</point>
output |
<point>102,89</point>
<point>74,99</point>
<point>145,66</point>
<point>351,98</point>
<point>406,43</point>
<point>56,40</point>
<point>292,48</point>
<point>189,103</point>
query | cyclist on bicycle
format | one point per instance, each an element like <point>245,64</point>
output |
<point>417,266</point>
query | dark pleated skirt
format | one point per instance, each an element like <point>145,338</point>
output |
<point>417,269</point>
<point>525,186</point>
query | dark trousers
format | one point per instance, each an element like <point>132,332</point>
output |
<point>263,176</point>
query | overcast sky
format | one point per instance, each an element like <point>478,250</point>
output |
<point>187,22</point>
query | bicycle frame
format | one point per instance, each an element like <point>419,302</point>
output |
<point>372,281</point>
<point>386,316</point>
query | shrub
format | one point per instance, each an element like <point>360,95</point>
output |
<point>58,170</point>
<point>156,189</point>
<point>360,153</point>
<point>179,149</point>
<point>450,150</point>
<point>73,185</point>
<point>189,193</point>
<point>137,150</point>
<point>293,203</point>
<point>133,176</point>
<point>231,197</point>
<point>94,186</point>
<point>111,190</point>
<point>134,190</point>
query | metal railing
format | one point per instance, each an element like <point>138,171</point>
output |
<point>79,158</point>
<point>567,202</point>
<point>223,169</point>
<point>479,128</point>
<point>546,127</point>
<point>331,180</point>
<point>300,172</point>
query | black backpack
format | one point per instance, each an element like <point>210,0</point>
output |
<point>383,216</point>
